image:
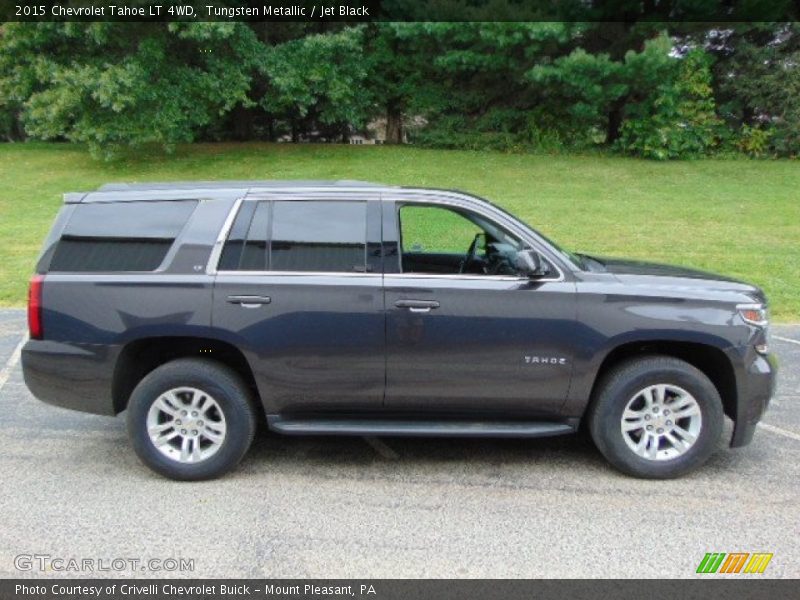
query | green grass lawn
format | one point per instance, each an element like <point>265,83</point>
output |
<point>737,217</point>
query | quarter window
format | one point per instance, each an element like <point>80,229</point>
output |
<point>114,237</point>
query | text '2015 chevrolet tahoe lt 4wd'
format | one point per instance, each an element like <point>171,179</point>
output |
<point>344,308</point>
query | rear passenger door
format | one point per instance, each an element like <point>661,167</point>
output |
<point>299,289</point>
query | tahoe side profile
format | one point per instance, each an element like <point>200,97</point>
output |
<point>347,308</point>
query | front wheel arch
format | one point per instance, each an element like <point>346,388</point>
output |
<point>709,359</point>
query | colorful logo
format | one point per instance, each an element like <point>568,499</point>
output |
<point>735,562</point>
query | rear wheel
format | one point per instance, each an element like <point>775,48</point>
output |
<point>656,417</point>
<point>191,419</point>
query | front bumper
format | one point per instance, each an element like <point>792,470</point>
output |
<point>756,377</point>
<point>74,376</point>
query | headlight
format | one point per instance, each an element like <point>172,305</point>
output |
<point>755,314</point>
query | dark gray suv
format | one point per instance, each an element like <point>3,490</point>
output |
<point>344,308</point>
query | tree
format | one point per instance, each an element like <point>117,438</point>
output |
<point>317,78</point>
<point>678,118</point>
<point>398,58</point>
<point>113,86</point>
<point>467,79</point>
<point>757,77</point>
<point>641,86</point>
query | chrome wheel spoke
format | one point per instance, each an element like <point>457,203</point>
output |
<point>217,427</point>
<point>632,425</point>
<point>160,428</point>
<point>685,435</point>
<point>687,411</point>
<point>212,435</point>
<point>198,399</point>
<point>660,393</point>
<point>195,457</point>
<point>630,415</point>
<point>676,443</point>
<point>652,446</point>
<point>169,405</point>
<point>185,447</point>
<point>163,439</point>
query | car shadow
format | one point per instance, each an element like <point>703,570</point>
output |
<point>343,451</point>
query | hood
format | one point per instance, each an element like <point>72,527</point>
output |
<point>621,266</point>
<point>658,274</point>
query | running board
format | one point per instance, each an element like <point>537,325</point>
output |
<point>440,428</point>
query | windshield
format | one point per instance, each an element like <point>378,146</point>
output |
<point>575,259</point>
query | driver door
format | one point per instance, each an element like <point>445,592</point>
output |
<point>460,339</point>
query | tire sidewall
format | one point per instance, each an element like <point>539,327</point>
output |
<point>606,424</point>
<point>217,383</point>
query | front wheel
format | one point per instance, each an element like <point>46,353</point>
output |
<point>656,417</point>
<point>191,419</point>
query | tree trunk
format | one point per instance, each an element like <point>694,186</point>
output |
<point>615,120</point>
<point>394,124</point>
<point>243,124</point>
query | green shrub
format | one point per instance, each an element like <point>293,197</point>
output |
<point>754,141</point>
<point>678,120</point>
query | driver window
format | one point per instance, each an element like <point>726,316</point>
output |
<point>439,239</point>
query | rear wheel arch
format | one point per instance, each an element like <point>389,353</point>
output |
<point>140,357</point>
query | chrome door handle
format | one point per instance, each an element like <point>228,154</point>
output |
<point>249,301</point>
<point>417,306</point>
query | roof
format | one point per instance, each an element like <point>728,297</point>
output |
<point>232,190</point>
<point>205,185</point>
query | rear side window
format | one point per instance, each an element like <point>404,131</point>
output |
<point>303,236</point>
<point>129,236</point>
<point>319,236</point>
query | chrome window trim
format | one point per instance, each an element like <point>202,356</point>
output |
<point>471,277</point>
<point>412,195</point>
<point>299,273</point>
<point>216,250</point>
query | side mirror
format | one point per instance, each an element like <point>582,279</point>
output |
<point>531,264</point>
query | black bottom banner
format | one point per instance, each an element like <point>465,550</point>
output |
<point>391,589</point>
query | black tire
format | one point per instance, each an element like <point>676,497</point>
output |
<point>620,385</point>
<point>226,388</point>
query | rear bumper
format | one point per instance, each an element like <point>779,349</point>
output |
<point>74,376</point>
<point>755,383</point>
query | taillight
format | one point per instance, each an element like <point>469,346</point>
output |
<point>35,328</point>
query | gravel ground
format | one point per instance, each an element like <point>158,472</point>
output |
<point>338,507</point>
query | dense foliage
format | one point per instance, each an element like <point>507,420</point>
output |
<point>655,90</point>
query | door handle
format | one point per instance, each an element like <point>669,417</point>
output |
<point>249,301</point>
<point>417,305</point>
